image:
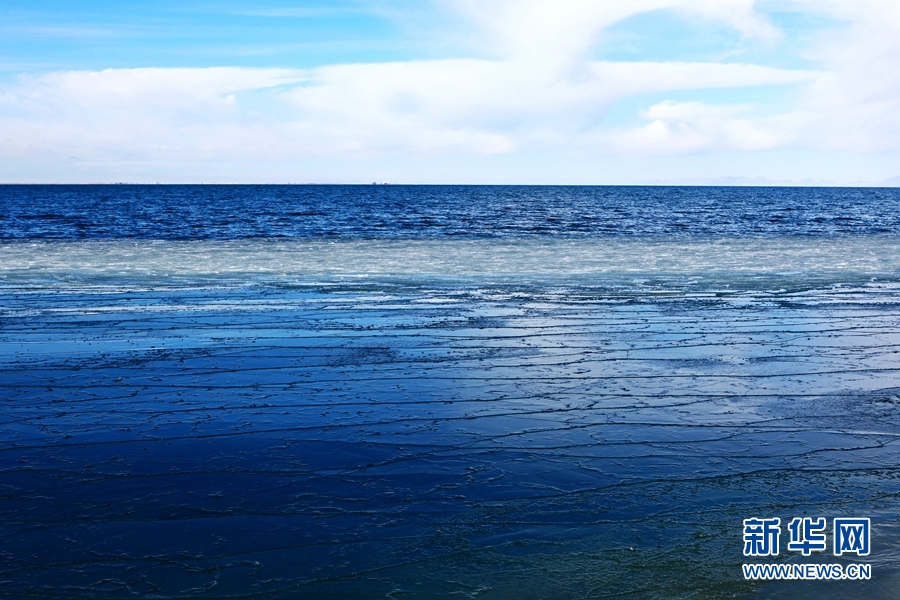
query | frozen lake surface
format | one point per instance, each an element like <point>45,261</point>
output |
<point>175,430</point>
<point>474,392</point>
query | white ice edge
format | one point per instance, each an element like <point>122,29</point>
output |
<point>632,261</point>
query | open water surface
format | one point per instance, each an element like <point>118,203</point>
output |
<point>441,392</point>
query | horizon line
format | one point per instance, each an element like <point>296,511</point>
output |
<point>890,184</point>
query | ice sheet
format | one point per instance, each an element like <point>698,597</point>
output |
<point>432,419</point>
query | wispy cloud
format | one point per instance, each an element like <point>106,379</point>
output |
<point>566,29</point>
<point>477,106</point>
<point>677,127</point>
<point>535,90</point>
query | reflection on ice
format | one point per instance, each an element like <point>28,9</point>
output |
<point>409,439</point>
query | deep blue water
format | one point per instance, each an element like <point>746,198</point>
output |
<point>236,211</point>
<point>442,392</point>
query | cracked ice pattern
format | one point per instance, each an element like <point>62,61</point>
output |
<point>385,439</point>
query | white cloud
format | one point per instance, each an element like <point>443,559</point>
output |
<point>675,127</point>
<point>852,105</point>
<point>538,90</point>
<point>858,98</point>
<point>477,106</point>
<point>560,30</point>
<point>131,114</point>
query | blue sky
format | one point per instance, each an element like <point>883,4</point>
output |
<point>451,91</point>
